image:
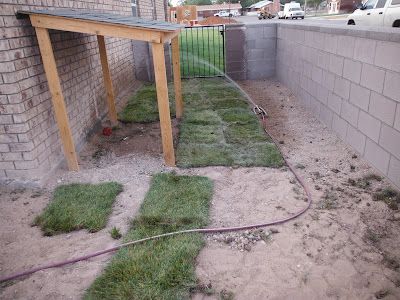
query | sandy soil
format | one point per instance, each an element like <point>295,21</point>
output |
<point>346,246</point>
<point>24,247</point>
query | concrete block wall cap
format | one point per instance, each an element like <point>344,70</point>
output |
<point>257,25</point>
<point>376,33</point>
<point>230,26</point>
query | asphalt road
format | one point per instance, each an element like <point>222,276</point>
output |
<point>308,20</point>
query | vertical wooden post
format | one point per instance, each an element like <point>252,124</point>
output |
<point>177,77</point>
<point>60,110</point>
<point>163,103</point>
<point>112,112</point>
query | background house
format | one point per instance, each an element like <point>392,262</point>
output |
<point>272,7</point>
<point>342,6</point>
<point>204,11</point>
<point>30,145</point>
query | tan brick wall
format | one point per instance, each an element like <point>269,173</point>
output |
<point>148,10</point>
<point>29,140</point>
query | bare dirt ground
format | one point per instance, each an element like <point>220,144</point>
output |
<point>346,246</point>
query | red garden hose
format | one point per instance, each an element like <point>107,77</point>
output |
<point>257,110</point>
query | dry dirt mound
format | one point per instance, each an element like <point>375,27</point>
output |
<point>217,21</point>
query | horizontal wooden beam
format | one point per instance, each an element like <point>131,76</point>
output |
<point>104,29</point>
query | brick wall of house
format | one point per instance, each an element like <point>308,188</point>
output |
<point>152,9</point>
<point>30,145</point>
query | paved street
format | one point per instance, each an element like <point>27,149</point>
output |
<point>314,20</point>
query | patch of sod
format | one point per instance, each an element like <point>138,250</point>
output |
<point>142,106</point>
<point>78,206</point>
<point>219,129</point>
<point>165,268</point>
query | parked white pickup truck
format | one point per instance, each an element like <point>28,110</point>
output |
<point>376,13</point>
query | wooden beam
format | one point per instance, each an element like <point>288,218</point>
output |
<point>167,36</point>
<point>91,27</point>
<point>60,110</point>
<point>177,77</point>
<point>163,103</point>
<point>112,112</point>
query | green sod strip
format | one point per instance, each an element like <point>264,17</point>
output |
<point>164,268</point>
<point>142,106</point>
<point>78,206</point>
<point>219,129</point>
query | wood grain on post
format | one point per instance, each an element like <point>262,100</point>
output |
<point>112,112</point>
<point>60,110</point>
<point>177,77</point>
<point>163,103</point>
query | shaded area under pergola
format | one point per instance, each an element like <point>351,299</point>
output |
<point>102,24</point>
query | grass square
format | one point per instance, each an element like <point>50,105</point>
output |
<point>79,206</point>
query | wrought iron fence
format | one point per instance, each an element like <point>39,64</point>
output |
<point>202,51</point>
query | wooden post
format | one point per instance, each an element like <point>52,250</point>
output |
<point>112,112</point>
<point>163,103</point>
<point>177,77</point>
<point>60,110</point>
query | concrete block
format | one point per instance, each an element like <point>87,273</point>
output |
<point>397,118</point>
<point>326,116</point>
<point>390,140</point>
<point>364,50</point>
<point>322,94</point>
<point>359,96</point>
<point>339,125</point>
<point>269,45</point>
<point>369,126</point>
<point>322,59</point>
<point>317,74</point>
<point>345,46</point>
<point>269,31</point>
<point>336,64</point>
<point>334,103</point>
<point>328,80</point>
<point>377,156</point>
<point>349,112</point>
<point>331,43</point>
<point>382,108</point>
<point>394,171</point>
<point>255,54</point>
<point>392,86</point>
<point>372,77</point>
<point>318,40</point>
<point>352,70</point>
<point>342,87</point>
<point>356,139</point>
<point>387,55</point>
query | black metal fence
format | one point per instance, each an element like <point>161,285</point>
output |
<point>202,51</point>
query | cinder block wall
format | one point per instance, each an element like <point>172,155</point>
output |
<point>350,79</point>
<point>250,51</point>
<point>29,140</point>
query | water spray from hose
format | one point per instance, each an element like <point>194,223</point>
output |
<point>259,111</point>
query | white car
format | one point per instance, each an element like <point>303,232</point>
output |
<point>377,13</point>
<point>223,13</point>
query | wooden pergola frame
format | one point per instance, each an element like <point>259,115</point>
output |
<point>156,36</point>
